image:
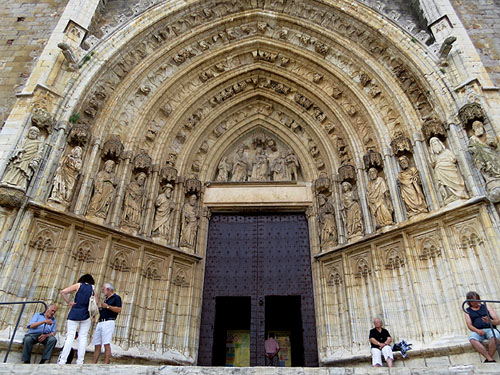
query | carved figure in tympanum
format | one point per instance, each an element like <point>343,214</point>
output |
<point>351,211</point>
<point>104,189</point>
<point>279,169</point>
<point>133,202</point>
<point>223,170</point>
<point>327,225</point>
<point>292,165</point>
<point>66,175</point>
<point>379,199</point>
<point>163,216</point>
<point>260,167</point>
<point>451,185</point>
<point>411,189</point>
<point>24,161</point>
<point>240,166</point>
<point>486,154</point>
<point>189,220</point>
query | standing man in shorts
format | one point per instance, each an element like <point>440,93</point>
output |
<point>110,308</point>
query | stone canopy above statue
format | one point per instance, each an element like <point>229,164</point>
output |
<point>258,157</point>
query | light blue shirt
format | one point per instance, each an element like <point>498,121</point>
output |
<point>47,328</point>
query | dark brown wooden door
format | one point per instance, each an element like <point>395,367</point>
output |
<point>265,258</point>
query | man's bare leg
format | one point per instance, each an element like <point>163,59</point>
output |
<point>107,353</point>
<point>97,353</point>
<point>492,348</point>
<point>481,349</point>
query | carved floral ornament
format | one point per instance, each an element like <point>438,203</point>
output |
<point>334,22</point>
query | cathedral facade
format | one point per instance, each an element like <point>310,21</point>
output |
<point>225,158</point>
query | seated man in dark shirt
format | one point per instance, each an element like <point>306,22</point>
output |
<point>109,310</point>
<point>380,341</point>
<point>478,320</point>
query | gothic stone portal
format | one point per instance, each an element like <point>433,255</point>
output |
<point>264,258</point>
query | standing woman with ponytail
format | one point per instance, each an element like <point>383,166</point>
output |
<point>78,317</point>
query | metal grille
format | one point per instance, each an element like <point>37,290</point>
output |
<point>258,256</point>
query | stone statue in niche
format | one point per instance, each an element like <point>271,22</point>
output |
<point>240,166</point>
<point>24,161</point>
<point>132,203</point>
<point>260,168</point>
<point>379,199</point>
<point>292,165</point>
<point>223,170</point>
<point>327,225</point>
<point>450,182</point>
<point>486,154</point>
<point>411,189</point>
<point>104,189</point>
<point>189,219</point>
<point>278,168</point>
<point>164,208</point>
<point>351,211</point>
<point>66,175</point>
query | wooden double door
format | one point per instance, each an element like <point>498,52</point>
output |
<point>258,280</point>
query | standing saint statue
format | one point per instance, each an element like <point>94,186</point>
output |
<point>223,170</point>
<point>132,203</point>
<point>450,182</point>
<point>189,227</point>
<point>240,166</point>
<point>260,169</point>
<point>292,165</point>
<point>351,211</point>
<point>104,189</point>
<point>411,190</point>
<point>278,168</point>
<point>66,175</point>
<point>379,199</point>
<point>24,161</point>
<point>163,217</point>
<point>486,154</point>
<point>327,225</point>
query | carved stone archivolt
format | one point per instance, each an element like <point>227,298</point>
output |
<point>259,157</point>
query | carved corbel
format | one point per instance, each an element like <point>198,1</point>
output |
<point>192,186</point>
<point>347,172</point>
<point>433,128</point>
<point>168,174</point>
<point>79,134</point>
<point>69,56</point>
<point>471,112</point>
<point>112,148</point>
<point>445,49</point>
<point>373,159</point>
<point>322,184</point>
<point>401,145</point>
<point>142,162</point>
<point>42,119</point>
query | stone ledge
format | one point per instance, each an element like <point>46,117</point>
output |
<point>178,370</point>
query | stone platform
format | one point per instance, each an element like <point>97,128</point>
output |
<point>21,369</point>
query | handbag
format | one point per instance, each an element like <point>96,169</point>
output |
<point>93,308</point>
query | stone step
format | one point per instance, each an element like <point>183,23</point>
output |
<point>53,369</point>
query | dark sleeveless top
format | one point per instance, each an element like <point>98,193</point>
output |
<point>475,317</point>
<point>80,311</point>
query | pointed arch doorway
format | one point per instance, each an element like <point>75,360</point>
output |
<point>257,280</point>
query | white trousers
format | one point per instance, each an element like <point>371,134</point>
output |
<point>83,327</point>
<point>377,355</point>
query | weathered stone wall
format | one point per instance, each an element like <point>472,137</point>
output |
<point>480,17</point>
<point>25,28</point>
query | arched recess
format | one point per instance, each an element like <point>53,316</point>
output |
<point>331,80</point>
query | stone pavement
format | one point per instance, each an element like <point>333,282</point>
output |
<point>21,369</point>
